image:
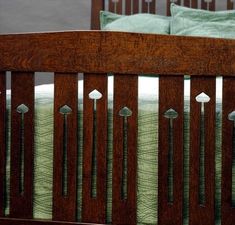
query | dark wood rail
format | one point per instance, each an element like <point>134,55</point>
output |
<point>127,53</point>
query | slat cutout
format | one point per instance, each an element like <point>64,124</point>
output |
<point>2,141</point>
<point>95,147</point>
<point>125,95</point>
<point>230,4</point>
<point>202,132</point>
<point>208,6</point>
<point>115,6</point>
<point>96,7</point>
<point>171,97</point>
<point>168,6</point>
<point>134,9</point>
<point>65,147</point>
<point>228,213</point>
<point>22,145</point>
<point>149,6</point>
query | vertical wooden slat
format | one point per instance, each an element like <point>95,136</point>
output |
<point>115,7</point>
<point>94,208</point>
<point>202,213</point>
<point>211,5</point>
<point>135,6</point>
<point>194,4</point>
<point>125,95</point>
<point>66,93</point>
<point>96,7</point>
<point>230,4</point>
<point>21,203</point>
<point>2,141</point>
<point>151,8</point>
<point>228,212</point>
<point>168,6</point>
<point>171,96</point>
<point>187,3</point>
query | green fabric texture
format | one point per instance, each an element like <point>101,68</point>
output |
<point>197,22</point>
<point>140,23</point>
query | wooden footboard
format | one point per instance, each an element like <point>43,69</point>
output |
<point>125,55</point>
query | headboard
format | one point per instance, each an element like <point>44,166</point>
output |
<point>145,6</point>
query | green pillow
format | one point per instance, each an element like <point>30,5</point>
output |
<point>197,22</point>
<point>140,23</point>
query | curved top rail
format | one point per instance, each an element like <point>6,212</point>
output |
<point>116,52</point>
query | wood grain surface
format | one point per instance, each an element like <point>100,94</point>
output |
<point>228,212</point>
<point>65,205</point>
<point>171,96</point>
<point>94,208</point>
<point>101,52</point>
<point>22,92</point>
<point>202,212</point>
<point>2,142</point>
<point>125,95</point>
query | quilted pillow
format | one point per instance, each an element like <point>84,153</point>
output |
<point>197,22</point>
<point>140,23</point>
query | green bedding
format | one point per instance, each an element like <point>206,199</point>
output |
<point>147,159</point>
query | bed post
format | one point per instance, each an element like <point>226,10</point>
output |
<point>96,6</point>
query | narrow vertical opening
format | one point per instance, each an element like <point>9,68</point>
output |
<point>202,99</point>
<point>125,112</point>
<point>170,114</point>
<point>95,95</point>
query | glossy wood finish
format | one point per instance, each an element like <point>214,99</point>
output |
<point>149,7</point>
<point>202,213</point>
<point>7,221</point>
<point>2,141</point>
<point>66,89</point>
<point>78,51</point>
<point>125,95</point>
<point>171,96</point>
<point>94,208</point>
<point>96,7</point>
<point>228,213</point>
<point>211,7</point>
<point>22,92</point>
<point>115,7</point>
<point>230,4</point>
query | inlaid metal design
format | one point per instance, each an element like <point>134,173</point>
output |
<point>125,112</point>
<point>22,110</point>
<point>231,116</point>
<point>95,95</point>
<point>170,114</point>
<point>202,99</point>
<point>65,110</point>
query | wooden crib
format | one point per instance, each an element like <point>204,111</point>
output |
<point>126,55</point>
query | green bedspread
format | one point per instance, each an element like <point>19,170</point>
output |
<point>147,159</point>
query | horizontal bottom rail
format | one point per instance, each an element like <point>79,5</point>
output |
<point>13,221</point>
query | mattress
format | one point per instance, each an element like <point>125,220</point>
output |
<point>147,151</point>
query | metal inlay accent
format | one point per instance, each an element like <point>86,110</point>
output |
<point>170,114</point>
<point>231,116</point>
<point>65,111</point>
<point>202,99</point>
<point>125,112</point>
<point>22,109</point>
<point>95,95</point>
<point>148,3</point>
